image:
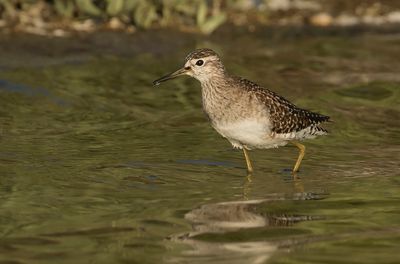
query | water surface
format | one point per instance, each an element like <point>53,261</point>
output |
<point>98,166</point>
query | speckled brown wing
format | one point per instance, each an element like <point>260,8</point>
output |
<point>285,116</point>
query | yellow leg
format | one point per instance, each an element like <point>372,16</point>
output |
<point>302,149</point>
<point>248,162</point>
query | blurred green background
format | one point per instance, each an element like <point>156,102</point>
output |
<point>44,16</point>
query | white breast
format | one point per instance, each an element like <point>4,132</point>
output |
<point>249,133</point>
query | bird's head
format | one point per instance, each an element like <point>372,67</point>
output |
<point>201,64</point>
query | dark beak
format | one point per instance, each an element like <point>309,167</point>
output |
<point>172,75</point>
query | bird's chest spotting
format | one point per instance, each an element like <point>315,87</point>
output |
<point>251,133</point>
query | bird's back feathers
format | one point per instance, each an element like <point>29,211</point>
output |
<point>284,115</point>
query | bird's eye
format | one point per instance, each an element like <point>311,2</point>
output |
<point>199,62</point>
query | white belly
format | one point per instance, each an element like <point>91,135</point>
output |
<point>249,133</point>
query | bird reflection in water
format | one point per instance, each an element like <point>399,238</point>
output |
<point>231,218</point>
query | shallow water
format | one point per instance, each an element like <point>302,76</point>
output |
<point>98,166</point>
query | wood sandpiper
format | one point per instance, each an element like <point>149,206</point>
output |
<point>249,116</point>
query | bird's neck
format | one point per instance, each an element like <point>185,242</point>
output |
<point>215,86</point>
<point>216,96</point>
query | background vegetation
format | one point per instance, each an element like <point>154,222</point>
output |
<point>202,14</point>
<point>44,16</point>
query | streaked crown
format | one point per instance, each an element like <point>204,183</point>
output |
<point>201,53</point>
